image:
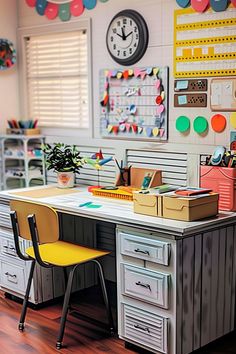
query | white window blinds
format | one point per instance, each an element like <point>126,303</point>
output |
<point>57,79</point>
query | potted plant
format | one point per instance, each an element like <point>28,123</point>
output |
<point>65,160</point>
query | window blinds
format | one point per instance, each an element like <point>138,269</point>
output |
<point>57,79</point>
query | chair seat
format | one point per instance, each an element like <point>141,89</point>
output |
<point>65,254</point>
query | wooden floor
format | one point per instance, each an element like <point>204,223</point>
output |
<point>80,336</point>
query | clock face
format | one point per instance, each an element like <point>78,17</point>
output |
<point>127,37</point>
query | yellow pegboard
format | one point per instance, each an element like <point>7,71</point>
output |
<point>204,51</point>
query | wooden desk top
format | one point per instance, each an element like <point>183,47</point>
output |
<point>112,210</point>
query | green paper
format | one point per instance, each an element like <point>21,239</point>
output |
<point>182,124</point>
<point>94,206</point>
<point>200,124</point>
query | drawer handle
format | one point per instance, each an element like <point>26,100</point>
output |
<point>147,286</point>
<point>145,329</point>
<point>10,275</point>
<point>140,251</point>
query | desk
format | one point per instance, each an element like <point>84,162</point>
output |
<point>175,280</point>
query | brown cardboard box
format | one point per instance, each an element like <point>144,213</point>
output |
<point>136,177</point>
<point>147,204</point>
<point>189,209</point>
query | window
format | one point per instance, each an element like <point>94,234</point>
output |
<point>57,80</point>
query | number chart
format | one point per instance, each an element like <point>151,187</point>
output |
<point>205,44</point>
<point>134,103</point>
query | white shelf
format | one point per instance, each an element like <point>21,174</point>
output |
<point>13,163</point>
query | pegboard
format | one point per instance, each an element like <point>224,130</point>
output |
<point>204,44</point>
<point>190,100</point>
<point>134,103</point>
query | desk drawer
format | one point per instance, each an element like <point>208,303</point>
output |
<point>146,285</point>
<point>146,329</point>
<point>12,277</point>
<point>145,248</point>
<point>7,247</point>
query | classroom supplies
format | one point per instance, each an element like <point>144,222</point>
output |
<point>24,127</point>
<point>190,209</point>
<point>192,191</point>
<point>117,193</point>
<point>217,155</point>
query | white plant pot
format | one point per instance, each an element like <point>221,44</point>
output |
<point>65,179</point>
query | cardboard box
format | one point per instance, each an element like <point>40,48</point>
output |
<point>190,209</point>
<point>135,175</point>
<point>33,131</point>
<point>147,204</point>
<point>221,180</point>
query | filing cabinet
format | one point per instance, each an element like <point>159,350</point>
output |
<point>145,266</point>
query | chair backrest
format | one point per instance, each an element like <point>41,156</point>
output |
<point>46,220</point>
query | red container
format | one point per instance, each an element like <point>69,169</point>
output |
<point>221,180</point>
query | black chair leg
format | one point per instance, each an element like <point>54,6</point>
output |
<point>66,281</point>
<point>105,296</point>
<point>65,309</point>
<point>21,325</point>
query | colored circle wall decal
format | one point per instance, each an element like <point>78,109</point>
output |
<point>62,8</point>
<point>233,119</point>
<point>218,123</point>
<point>200,125</point>
<point>182,124</point>
<point>183,3</point>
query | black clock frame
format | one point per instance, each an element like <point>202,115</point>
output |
<point>143,37</point>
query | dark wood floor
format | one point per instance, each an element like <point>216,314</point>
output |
<point>81,337</point>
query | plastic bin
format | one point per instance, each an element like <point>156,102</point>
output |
<point>221,180</point>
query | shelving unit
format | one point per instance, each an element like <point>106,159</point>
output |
<point>22,161</point>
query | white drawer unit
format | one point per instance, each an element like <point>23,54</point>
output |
<point>7,247</point>
<point>145,328</point>
<point>145,285</point>
<point>145,248</point>
<point>12,277</point>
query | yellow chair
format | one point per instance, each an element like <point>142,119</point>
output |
<point>39,224</point>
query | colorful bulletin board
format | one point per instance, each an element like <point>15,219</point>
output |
<point>204,44</point>
<point>134,103</point>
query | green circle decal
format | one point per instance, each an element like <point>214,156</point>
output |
<point>182,124</point>
<point>200,125</point>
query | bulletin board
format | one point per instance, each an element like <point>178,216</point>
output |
<point>134,103</point>
<point>204,43</point>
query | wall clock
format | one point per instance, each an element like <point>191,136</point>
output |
<point>127,37</point>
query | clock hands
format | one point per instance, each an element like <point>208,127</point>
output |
<point>123,35</point>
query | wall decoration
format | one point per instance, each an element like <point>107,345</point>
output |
<point>183,3</point>
<point>200,5</point>
<point>62,8</point>
<point>182,124</point>
<point>200,125</point>
<point>204,44</point>
<point>203,5</point>
<point>218,123</point>
<point>223,94</point>
<point>190,100</point>
<point>127,37</point>
<point>191,85</point>
<point>7,54</point>
<point>134,103</point>
<point>233,120</point>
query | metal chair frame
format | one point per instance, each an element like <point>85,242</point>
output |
<point>68,279</point>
